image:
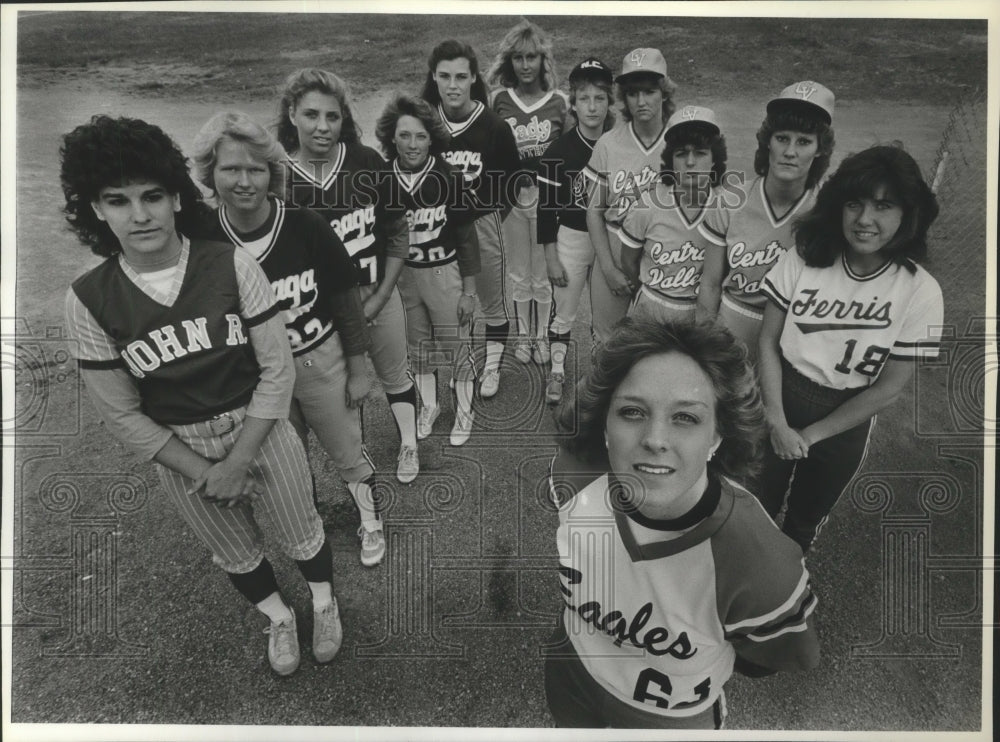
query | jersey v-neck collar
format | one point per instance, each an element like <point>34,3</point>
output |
<point>260,241</point>
<point>411,181</point>
<point>331,176</point>
<point>854,276</point>
<point>703,520</point>
<point>168,297</point>
<point>777,221</point>
<point>526,108</point>
<point>694,221</point>
<point>657,140</point>
<point>457,127</point>
<point>590,143</point>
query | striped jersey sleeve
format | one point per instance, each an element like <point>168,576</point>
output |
<point>779,283</point>
<point>764,595</point>
<point>597,167</point>
<point>632,231</point>
<point>257,302</point>
<point>920,334</point>
<point>715,225</point>
<point>90,345</point>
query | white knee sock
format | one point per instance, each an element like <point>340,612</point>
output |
<point>463,395</point>
<point>558,357</point>
<point>427,389</point>
<point>542,309</point>
<point>322,595</point>
<point>493,352</point>
<point>522,310</point>
<point>406,418</point>
<point>364,499</point>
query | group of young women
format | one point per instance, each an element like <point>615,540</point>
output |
<point>213,342</point>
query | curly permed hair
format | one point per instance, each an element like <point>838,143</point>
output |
<point>111,152</point>
<point>697,135</point>
<point>409,105</point>
<point>819,236</point>
<point>308,80</point>
<point>525,35</point>
<point>739,413</point>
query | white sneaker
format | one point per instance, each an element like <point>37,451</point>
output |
<point>425,421</point>
<point>372,546</point>
<point>522,349</point>
<point>283,646</point>
<point>554,388</point>
<point>408,464</point>
<point>462,428</point>
<point>489,385</point>
<point>327,633</point>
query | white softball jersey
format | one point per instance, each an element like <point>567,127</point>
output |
<point>840,328</point>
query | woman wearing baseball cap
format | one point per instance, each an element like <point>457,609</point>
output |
<point>662,250</point>
<point>749,231</point>
<point>562,208</point>
<point>626,162</point>
<point>536,113</point>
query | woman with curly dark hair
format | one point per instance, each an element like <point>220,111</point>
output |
<point>671,573</point>
<point>749,231</point>
<point>185,356</point>
<point>662,250</point>
<point>849,313</point>
<point>439,281</point>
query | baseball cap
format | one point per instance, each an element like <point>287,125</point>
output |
<point>806,95</point>
<point>643,60</point>
<point>591,68</point>
<point>691,115</point>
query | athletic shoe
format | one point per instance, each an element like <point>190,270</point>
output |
<point>425,422</point>
<point>283,646</point>
<point>540,352</point>
<point>462,428</point>
<point>372,546</point>
<point>327,633</point>
<point>408,464</point>
<point>522,349</point>
<point>490,383</point>
<point>554,388</point>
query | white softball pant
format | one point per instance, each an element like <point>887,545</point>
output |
<point>529,279</point>
<point>576,253</point>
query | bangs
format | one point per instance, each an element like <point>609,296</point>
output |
<point>640,81</point>
<point>695,133</point>
<point>526,44</point>
<point>866,184</point>
<point>796,120</point>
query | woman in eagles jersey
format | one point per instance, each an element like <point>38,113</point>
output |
<point>850,311</point>
<point>748,235</point>
<point>650,519</point>
<point>438,284</point>
<point>562,208</point>
<point>187,361</point>
<point>334,174</point>
<point>313,278</point>
<point>536,113</point>
<point>662,251</point>
<point>626,162</point>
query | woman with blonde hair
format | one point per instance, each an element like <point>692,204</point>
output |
<point>536,113</point>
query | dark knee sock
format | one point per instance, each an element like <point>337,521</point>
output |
<point>320,567</point>
<point>256,584</point>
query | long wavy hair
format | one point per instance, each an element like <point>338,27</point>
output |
<point>447,51</point>
<point>819,235</point>
<point>698,135</point>
<point>739,412</point>
<point>795,120</point>
<point>409,105</point>
<point>112,152</point>
<point>304,81</point>
<point>523,37</point>
<point>239,127</point>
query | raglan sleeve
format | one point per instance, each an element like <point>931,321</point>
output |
<point>920,334</point>
<point>111,388</point>
<point>258,308</point>
<point>632,231</point>
<point>765,596</point>
<point>779,283</point>
<point>392,214</point>
<point>596,169</point>
<point>715,226</point>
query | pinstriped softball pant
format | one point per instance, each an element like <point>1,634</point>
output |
<point>491,281</point>
<point>232,534</point>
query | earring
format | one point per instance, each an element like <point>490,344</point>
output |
<point>605,440</point>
